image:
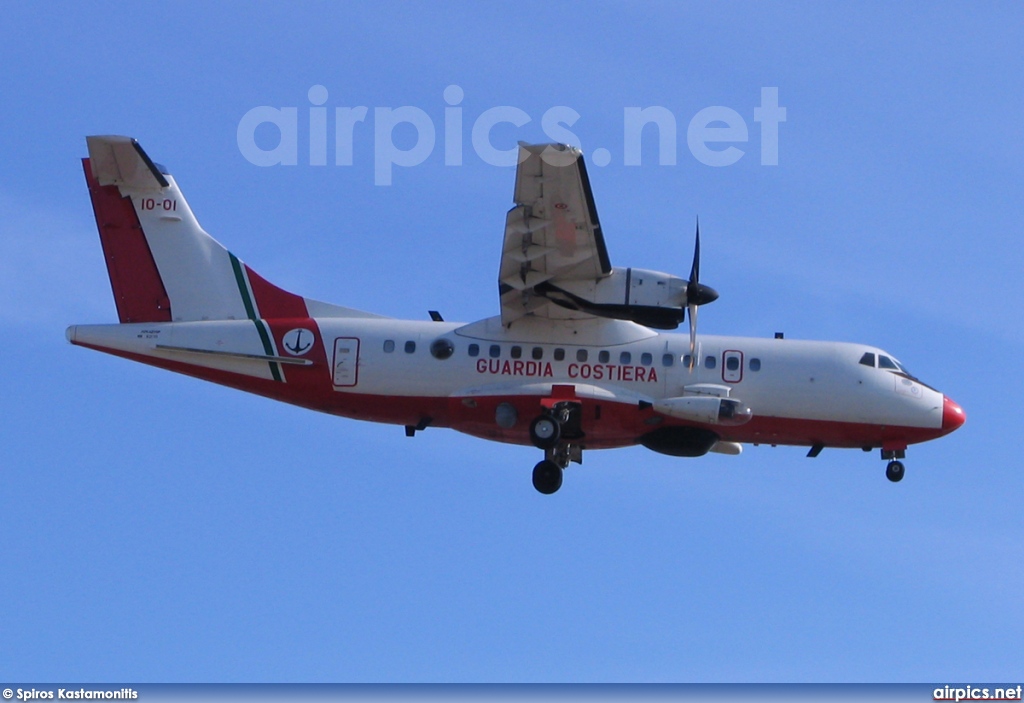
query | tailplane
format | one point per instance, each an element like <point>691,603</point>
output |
<point>163,266</point>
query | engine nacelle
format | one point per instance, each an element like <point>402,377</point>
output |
<point>650,298</point>
<point>707,410</point>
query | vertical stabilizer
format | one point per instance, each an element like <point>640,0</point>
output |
<point>163,266</point>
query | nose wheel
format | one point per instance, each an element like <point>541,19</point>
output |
<point>894,470</point>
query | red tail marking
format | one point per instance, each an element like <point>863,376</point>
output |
<point>139,293</point>
<point>274,302</point>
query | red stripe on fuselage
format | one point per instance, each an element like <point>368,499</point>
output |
<point>830,433</point>
<point>139,292</point>
<point>605,424</point>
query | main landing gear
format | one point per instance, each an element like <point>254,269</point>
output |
<point>545,431</point>
<point>556,431</point>
<point>894,470</point>
<point>547,477</point>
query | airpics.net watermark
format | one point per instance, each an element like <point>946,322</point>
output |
<point>716,125</point>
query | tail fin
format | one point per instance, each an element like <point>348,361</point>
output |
<point>139,292</point>
<point>162,265</point>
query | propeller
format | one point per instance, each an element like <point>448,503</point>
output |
<point>696,294</point>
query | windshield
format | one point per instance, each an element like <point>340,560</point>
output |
<point>888,363</point>
<point>904,369</point>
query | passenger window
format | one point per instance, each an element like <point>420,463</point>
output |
<point>537,353</point>
<point>885,362</point>
<point>581,355</point>
<point>603,356</point>
<point>410,347</point>
<point>732,363</point>
<point>389,346</point>
<point>494,351</point>
<point>474,350</point>
<point>625,358</point>
<point>868,359</point>
<point>517,352</point>
<point>755,364</point>
<point>709,362</point>
<point>646,358</point>
<point>559,354</point>
<point>687,360</point>
<point>667,359</point>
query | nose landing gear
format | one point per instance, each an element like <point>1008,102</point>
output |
<point>894,470</point>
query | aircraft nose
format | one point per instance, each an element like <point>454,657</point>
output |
<point>952,414</point>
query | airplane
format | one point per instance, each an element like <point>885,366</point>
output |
<point>581,356</point>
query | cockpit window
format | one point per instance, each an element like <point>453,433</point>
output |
<point>903,369</point>
<point>887,363</point>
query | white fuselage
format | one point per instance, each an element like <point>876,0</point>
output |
<point>799,392</point>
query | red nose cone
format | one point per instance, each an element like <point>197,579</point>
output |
<point>952,415</point>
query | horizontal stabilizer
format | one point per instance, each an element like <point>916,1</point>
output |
<point>236,355</point>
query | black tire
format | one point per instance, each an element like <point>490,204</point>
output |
<point>547,477</point>
<point>545,432</point>
<point>894,471</point>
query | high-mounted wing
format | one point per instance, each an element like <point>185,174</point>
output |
<point>552,235</point>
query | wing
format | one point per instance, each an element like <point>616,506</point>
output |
<point>552,235</point>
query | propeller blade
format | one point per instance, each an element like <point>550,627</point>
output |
<point>696,293</point>
<point>693,335</point>
<point>695,268</point>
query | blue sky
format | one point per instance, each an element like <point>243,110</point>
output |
<point>154,528</point>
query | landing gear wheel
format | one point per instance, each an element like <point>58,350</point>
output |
<point>545,432</point>
<point>894,471</point>
<point>547,477</point>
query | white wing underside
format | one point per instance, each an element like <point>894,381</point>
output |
<point>552,235</point>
